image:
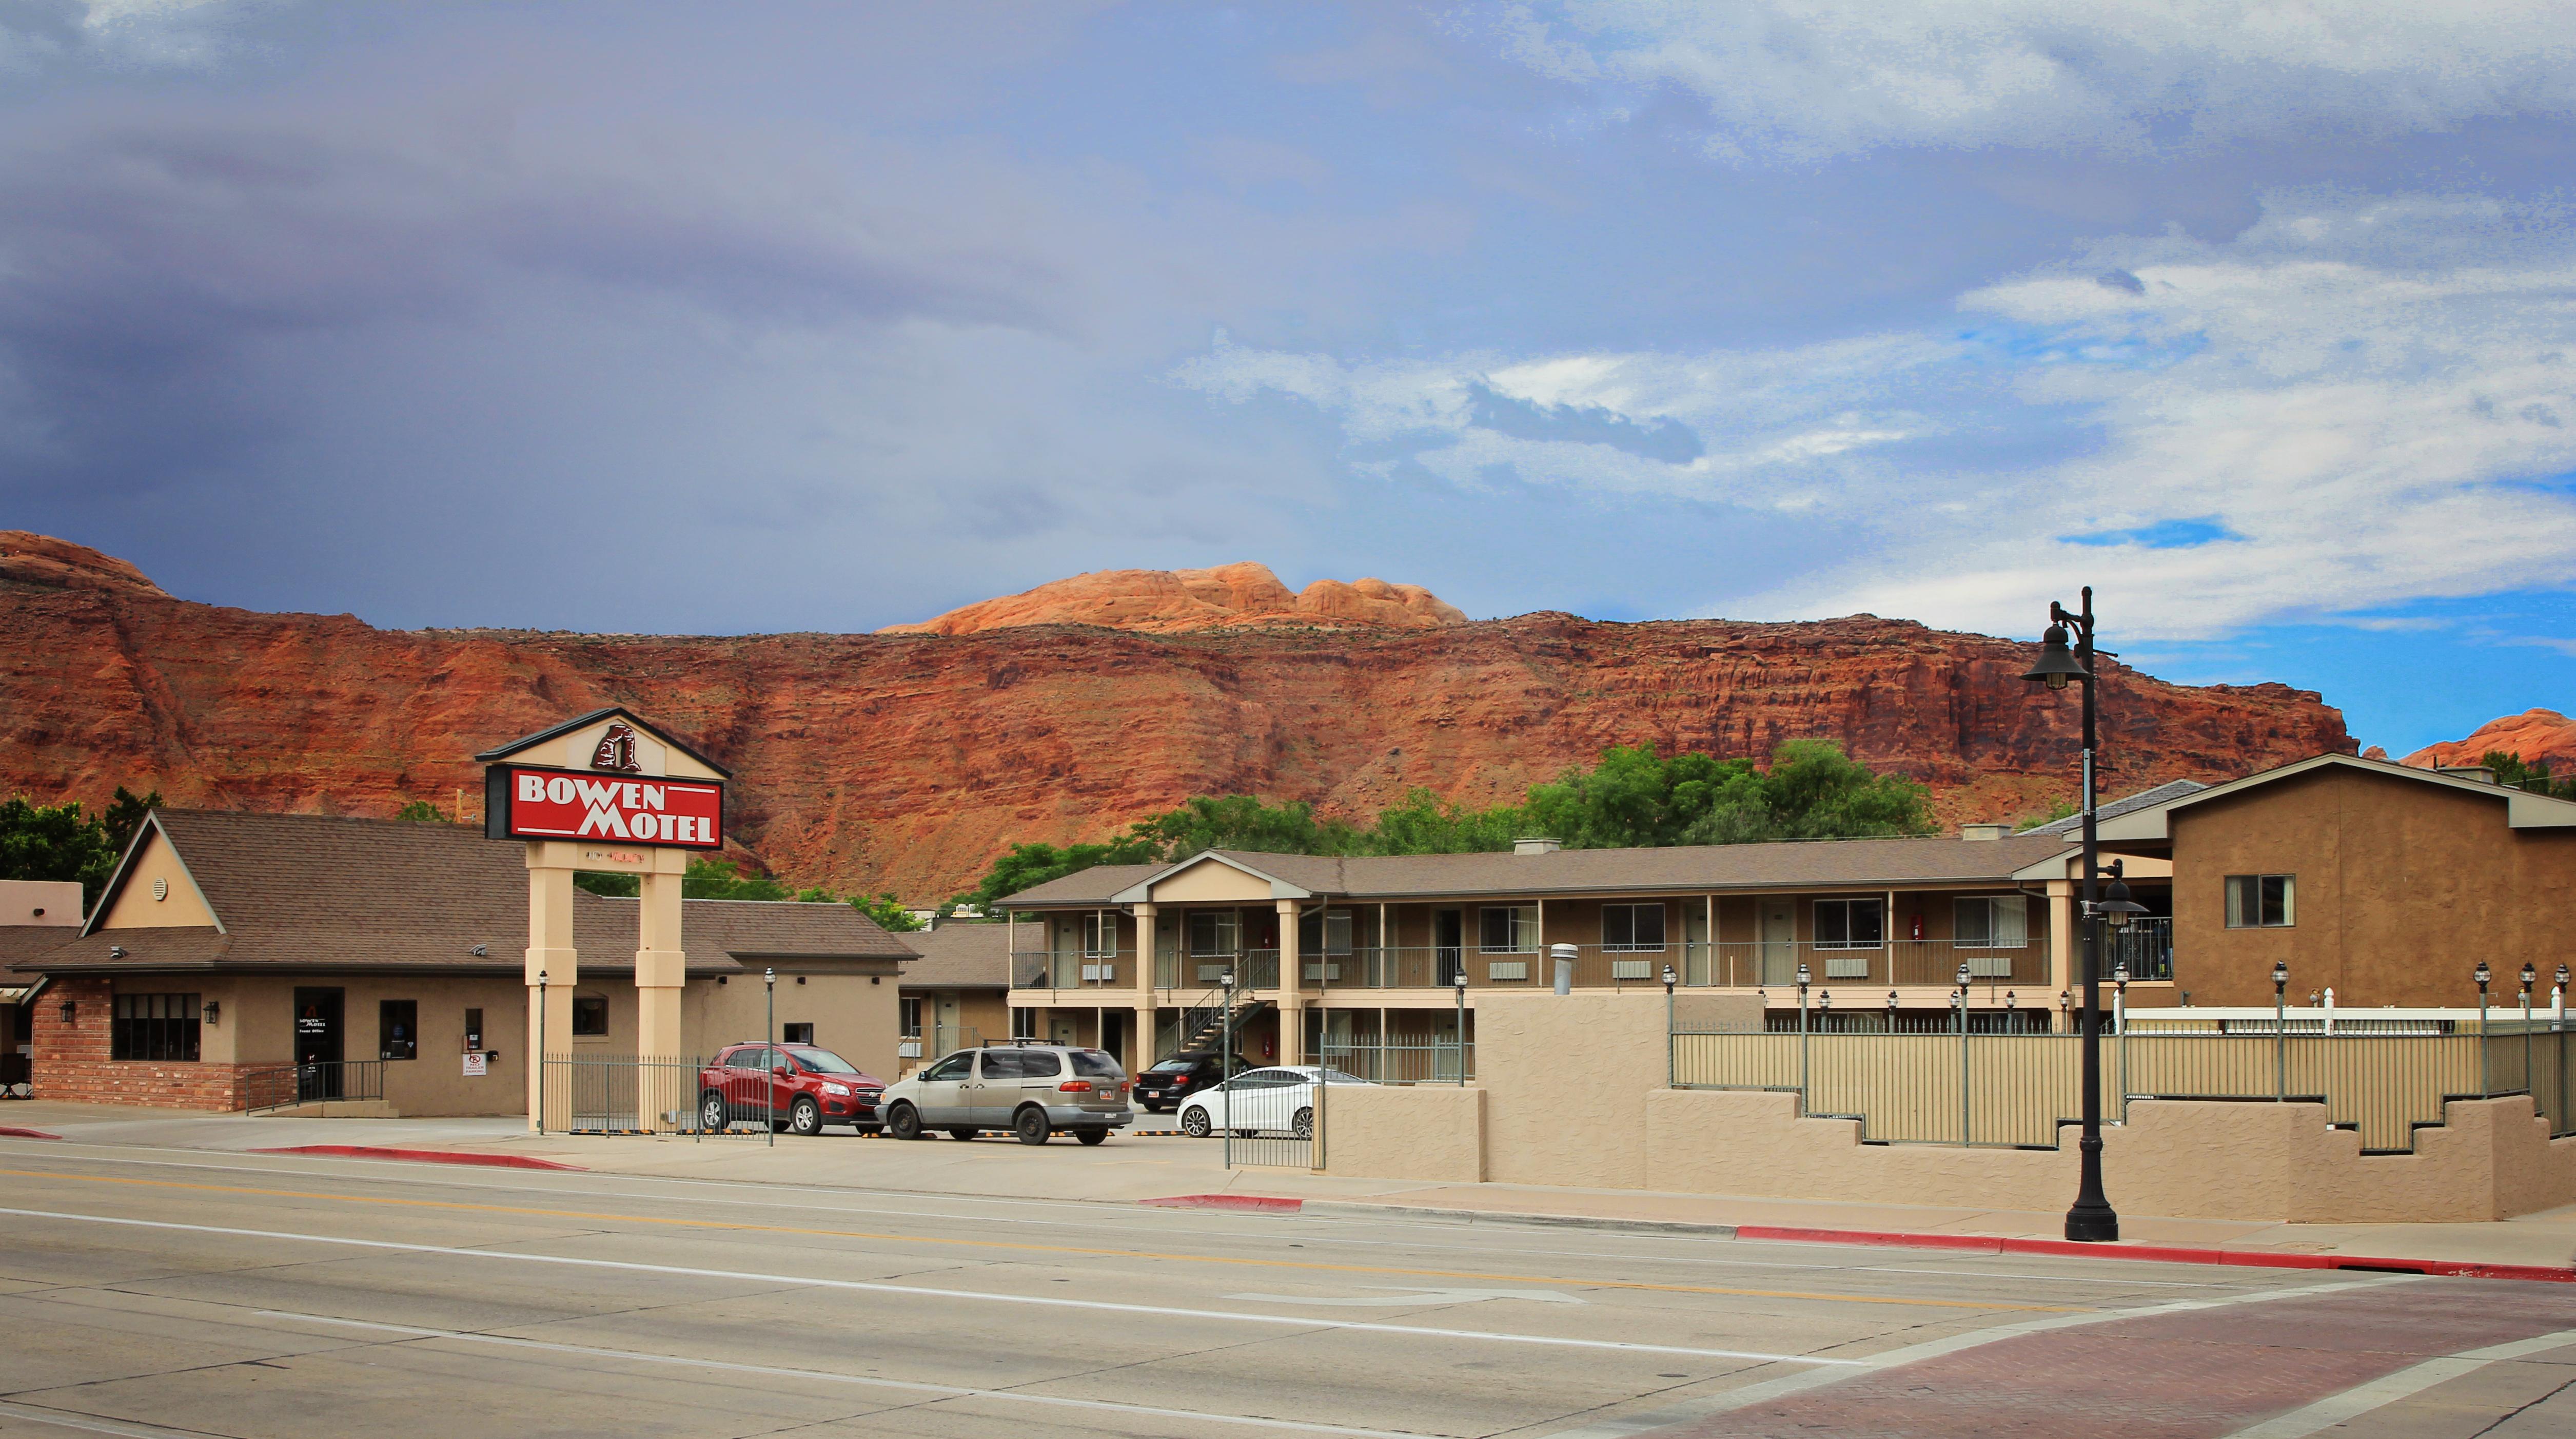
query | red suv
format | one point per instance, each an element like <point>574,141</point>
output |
<point>795,1087</point>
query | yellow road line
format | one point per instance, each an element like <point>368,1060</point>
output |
<point>731,1226</point>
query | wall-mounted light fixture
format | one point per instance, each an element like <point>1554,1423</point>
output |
<point>213,1008</point>
<point>800,979</point>
<point>116,951</point>
<point>69,1009</point>
<point>481,951</point>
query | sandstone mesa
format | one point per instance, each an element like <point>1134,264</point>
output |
<point>1179,601</point>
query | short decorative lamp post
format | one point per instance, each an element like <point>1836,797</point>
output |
<point>2280,1031</point>
<point>1891,1011</point>
<point>2010,1000</point>
<point>2482,974</point>
<point>769,1035</point>
<point>1670,979</point>
<point>1458,982</point>
<point>2558,1001</point>
<point>1803,977</point>
<point>2091,1219</point>
<point>1824,1009</point>
<point>2530,977</point>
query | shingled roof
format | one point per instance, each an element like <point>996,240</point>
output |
<point>1680,869</point>
<point>961,956</point>
<point>317,892</point>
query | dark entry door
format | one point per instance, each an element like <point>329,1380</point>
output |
<point>317,1044</point>
<point>1448,944</point>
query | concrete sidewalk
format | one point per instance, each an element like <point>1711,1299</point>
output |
<point>1131,1169</point>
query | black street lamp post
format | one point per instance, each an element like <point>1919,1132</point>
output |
<point>2092,1219</point>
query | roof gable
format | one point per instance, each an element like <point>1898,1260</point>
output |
<point>571,744</point>
<point>1211,876</point>
<point>152,855</point>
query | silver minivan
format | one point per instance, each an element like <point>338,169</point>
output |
<point>1032,1090</point>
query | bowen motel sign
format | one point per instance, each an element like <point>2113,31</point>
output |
<point>531,802</point>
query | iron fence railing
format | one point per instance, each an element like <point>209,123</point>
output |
<point>2016,1089</point>
<point>283,1086</point>
<point>654,1094</point>
<point>1439,1061</point>
<point>1073,969</point>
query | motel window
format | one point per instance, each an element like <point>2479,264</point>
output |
<point>1099,935</point>
<point>1992,922</point>
<point>1850,923</point>
<point>2262,901</point>
<point>1211,931</point>
<point>796,1034</point>
<point>154,1026</point>
<point>398,1029</point>
<point>590,1014</point>
<point>1326,933</point>
<point>911,1017</point>
<point>1632,927</point>
<point>1510,929</point>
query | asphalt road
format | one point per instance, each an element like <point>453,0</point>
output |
<point>150,1292</point>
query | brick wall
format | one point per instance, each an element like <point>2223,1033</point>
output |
<point>71,1059</point>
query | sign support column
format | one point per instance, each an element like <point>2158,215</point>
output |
<point>550,953</point>
<point>1292,988</point>
<point>1140,1050</point>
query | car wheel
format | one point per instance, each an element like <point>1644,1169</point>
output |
<point>1303,1125</point>
<point>805,1116</point>
<point>1091,1136</point>
<point>904,1122</point>
<point>711,1111</point>
<point>1194,1123</point>
<point>968,1132</point>
<point>1031,1125</point>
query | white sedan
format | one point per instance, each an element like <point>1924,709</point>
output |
<point>1276,1100</point>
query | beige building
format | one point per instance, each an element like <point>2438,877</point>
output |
<point>37,917</point>
<point>957,995</point>
<point>1367,955</point>
<point>231,951</point>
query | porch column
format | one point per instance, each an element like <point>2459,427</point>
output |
<point>550,954</point>
<point>2061,935</point>
<point>1292,988</point>
<point>1146,974</point>
<point>661,965</point>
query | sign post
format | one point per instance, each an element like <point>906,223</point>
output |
<point>605,792</point>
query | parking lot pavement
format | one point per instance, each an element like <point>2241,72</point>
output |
<point>153,1292</point>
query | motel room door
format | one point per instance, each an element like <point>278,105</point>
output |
<point>317,1044</point>
<point>1448,945</point>
<point>1779,941</point>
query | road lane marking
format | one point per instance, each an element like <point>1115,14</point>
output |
<point>1026,1248</point>
<point>1762,1391</point>
<point>2352,1403</point>
<point>376,1171</point>
<point>1404,1296</point>
<point>92,1424</point>
<point>926,1292</point>
<point>769,1371</point>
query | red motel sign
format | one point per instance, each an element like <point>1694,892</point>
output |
<point>566,804</point>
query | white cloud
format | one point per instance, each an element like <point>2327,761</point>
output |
<point>1807,79</point>
<point>2352,405</point>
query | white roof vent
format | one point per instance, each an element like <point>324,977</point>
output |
<point>2476,773</point>
<point>1537,844</point>
<point>1984,831</point>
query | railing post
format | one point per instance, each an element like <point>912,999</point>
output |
<point>1965,1132</point>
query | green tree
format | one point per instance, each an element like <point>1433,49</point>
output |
<point>2509,769</point>
<point>1239,821</point>
<point>887,911</point>
<point>56,842</point>
<point>1026,866</point>
<point>421,811</point>
<point>615,886</point>
<point>1422,824</point>
<point>125,814</point>
<point>724,879</point>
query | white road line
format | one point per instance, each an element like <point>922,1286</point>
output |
<point>1146,1227</point>
<point>1787,1384</point>
<point>921,1291</point>
<point>2388,1389</point>
<point>949,1391</point>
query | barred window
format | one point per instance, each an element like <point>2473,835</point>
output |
<point>155,1026</point>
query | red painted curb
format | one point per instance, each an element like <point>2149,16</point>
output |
<point>11,1131</point>
<point>425,1156</point>
<point>2165,1253</point>
<point>1254,1203</point>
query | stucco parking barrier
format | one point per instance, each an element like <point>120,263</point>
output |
<point>423,1156</point>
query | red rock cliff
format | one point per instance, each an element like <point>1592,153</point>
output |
<point>2536,736</point>
<point>906,762</point>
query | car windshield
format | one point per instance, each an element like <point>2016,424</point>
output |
<point>1175,1066</point>
<point>1095,1064</point>
<point>823,1061</point>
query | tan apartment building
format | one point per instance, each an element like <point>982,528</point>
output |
<point>957,995</point>
<point>1369,952</point>
<point>232,949</point>
<point>37,917</point>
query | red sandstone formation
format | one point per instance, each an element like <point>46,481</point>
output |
<point>2536,735</point>
<point>906,762</point>
<point>1168,602</point>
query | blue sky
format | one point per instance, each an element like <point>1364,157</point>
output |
<point>2260,319</point>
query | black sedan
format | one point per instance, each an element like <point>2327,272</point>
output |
<point>1175,1079</point>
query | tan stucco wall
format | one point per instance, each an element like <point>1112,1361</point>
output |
<point>1431,1132</point>
<point>135,908</point>
<point>1529,1045</point>
<point>1209,882</point>
<point>858,1020</point>
<point>2401,888</point>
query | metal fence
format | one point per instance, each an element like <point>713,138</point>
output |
<point>283,1086</point>
<point>1440,1061</point>
<point>2017,1089</point>
<point>627,1094</point>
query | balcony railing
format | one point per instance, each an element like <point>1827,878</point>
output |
<point>1071,969</point>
